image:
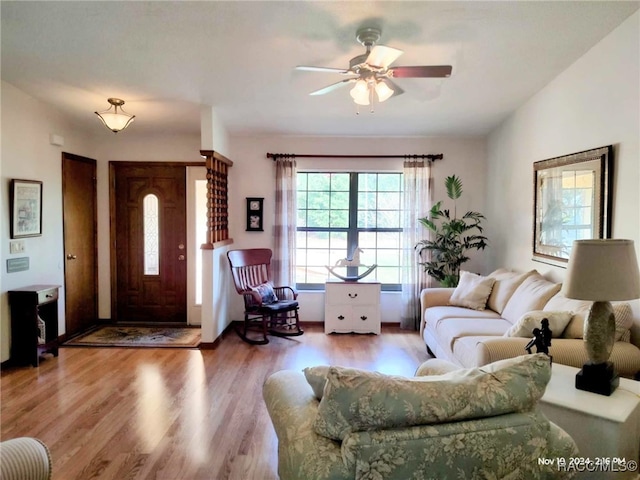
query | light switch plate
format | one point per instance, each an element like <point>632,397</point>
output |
<point>16,246</point>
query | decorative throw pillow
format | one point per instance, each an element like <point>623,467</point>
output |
<point>266,292</point>
<point>623,316</point>
<point>530,320</point>
<point>506,283</point>
<point>435,366</point>
<point>624,320</point>
<point>472,291</point>
<point>317,378</point>
<point>355,400</point>
<point>532,294</point>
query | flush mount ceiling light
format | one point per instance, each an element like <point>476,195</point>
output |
<point>116,119</point>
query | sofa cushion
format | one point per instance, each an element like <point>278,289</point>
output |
<point>472,291</point>
<point>434,315</point>
<point>355,400</point>
<point>558,321</point>
<point>532,294</point>
<point>316,378</point>
<point>451,329</point>
<point>580,309</point>
<point>506,283</point>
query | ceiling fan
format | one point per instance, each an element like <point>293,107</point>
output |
<point>371,72</point>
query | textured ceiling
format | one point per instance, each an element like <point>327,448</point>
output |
<point>166,59</point>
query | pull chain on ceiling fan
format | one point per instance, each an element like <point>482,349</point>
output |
<point>371,72</point>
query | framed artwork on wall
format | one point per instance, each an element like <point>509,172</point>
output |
<point>26,208</point>
<point>572,201</point>
<point>254,214</point>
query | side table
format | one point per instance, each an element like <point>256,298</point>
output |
<point>602,427</point>
<point>34,323</point>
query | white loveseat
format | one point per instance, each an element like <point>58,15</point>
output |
<point>472,337</point>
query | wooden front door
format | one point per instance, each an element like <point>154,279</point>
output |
<point>148,256</point>
<point>79,202</point>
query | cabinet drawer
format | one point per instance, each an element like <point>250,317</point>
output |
<point>45,296</point>
<point>352,294</point>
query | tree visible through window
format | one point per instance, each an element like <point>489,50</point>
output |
<point>339,211</point>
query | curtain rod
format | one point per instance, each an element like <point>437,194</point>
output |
<point>431,157</point>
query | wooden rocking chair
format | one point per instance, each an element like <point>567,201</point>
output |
<point>270,310</point>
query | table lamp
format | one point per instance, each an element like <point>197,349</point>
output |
<point>601,271</point>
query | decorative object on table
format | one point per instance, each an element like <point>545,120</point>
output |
<point>352,265</point>
<point>541,339</point>
<point>115,120</point>
<point>585,178</point>
<point>451,237</point>
<point>255,214</point>
<point>26,208</point>
<point>601,271</point>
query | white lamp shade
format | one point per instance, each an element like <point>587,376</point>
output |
<point>602,270</point>
<point>383,91</point>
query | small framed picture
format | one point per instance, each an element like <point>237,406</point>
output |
<point>254,214</point>
<point>26,208</point>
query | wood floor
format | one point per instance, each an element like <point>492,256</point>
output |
<point>176,414</point>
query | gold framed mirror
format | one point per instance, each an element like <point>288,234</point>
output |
<point>572,201</point>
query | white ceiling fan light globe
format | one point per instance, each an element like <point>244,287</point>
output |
<point>360,93</point>
<point>383,91</point>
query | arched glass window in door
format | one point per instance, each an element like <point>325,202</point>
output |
<point>151,234</point>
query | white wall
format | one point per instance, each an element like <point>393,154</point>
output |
<point>253,175</point>
<point>595,102</point>
<point>27,154</point>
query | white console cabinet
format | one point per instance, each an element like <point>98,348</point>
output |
<point>352,307</point>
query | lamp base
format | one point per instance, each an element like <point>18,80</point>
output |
<point>599,378</point>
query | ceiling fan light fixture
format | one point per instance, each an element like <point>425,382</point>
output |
<point>360,92</point>
<point>383,91</point>
<point>117,119</point>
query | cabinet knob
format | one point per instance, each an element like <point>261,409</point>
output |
<point>71,256</point>
<point>363,318</point>
<point>340,317</point>
<point>353,295</point>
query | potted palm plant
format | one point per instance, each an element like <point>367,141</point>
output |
<point>451,237</point>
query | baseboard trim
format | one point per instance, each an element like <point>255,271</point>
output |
<point>216,343</point>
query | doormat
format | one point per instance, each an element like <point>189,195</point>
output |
<point>155,337</point>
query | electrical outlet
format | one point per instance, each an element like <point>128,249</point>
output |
<point>16,246</point>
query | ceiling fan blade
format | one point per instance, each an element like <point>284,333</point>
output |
<point>322,69</point>
<point>383,56</point>
<point>427,71</point>
<point>333,86</point>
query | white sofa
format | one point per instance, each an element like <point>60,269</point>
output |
<point>474,337</point>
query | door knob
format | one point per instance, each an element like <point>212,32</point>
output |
<point>71,257</point>
<point>181,258</point>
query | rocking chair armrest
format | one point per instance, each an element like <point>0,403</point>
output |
<point>281,291</point>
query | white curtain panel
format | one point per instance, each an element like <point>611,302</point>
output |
<point>417,202</point>
<point>284,229</point>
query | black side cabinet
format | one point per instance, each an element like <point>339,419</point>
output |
<point>34,323</point>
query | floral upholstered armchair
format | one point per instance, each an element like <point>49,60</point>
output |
<point>344,423</point>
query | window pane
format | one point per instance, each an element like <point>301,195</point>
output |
<point>151,240</point>
<point>340,182</point>
<point>389,182</point>
<point>318,181</point>
<point>318,218</point>
<point>339,218</point>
